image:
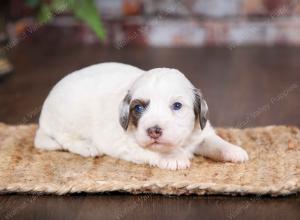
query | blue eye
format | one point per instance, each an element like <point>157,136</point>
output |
<point>176,106</point>
<point>138,108</point>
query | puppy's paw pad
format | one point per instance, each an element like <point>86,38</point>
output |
<point>174,163</point>
<point>235,155</point>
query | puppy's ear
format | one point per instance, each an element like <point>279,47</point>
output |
<point>200,108</point>
<point>125,111</point>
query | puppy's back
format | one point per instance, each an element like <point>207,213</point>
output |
<point>86,98</point>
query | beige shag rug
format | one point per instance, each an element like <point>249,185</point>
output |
<point>274,167</point>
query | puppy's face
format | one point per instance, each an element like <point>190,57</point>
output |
<point>161,110</point>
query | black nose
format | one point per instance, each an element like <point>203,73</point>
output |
<point>154,132</point>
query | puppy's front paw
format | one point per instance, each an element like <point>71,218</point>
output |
<point>174,163</point>
<point>234,154</point>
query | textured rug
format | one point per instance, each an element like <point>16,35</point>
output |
<point>274,167</point>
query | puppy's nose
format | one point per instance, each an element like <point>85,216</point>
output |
<point>154,132</point>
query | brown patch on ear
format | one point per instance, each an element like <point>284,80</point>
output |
<point>124,111</point>
<point>135,116</point>
<point>200,108</point>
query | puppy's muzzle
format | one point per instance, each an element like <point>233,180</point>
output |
<point>154,132</point>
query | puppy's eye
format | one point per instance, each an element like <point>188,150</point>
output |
<point>139,108</point>
<point>176,106</point>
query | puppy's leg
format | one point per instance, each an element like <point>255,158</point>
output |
<point>218,149</point>
<point>79,146</point>
<point>75,145</point>
<point>44,141</point>
<point>174,161</point>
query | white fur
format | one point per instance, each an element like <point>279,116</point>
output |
<point>81,114</point>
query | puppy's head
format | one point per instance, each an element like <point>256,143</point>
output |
<point>161,109</point>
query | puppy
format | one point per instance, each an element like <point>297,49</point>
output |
<point>154,117</point>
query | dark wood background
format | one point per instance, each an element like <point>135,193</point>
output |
<point>244,87</point>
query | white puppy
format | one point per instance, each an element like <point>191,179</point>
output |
<point>155,117</point>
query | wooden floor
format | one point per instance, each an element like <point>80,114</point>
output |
<point>244,87</point>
